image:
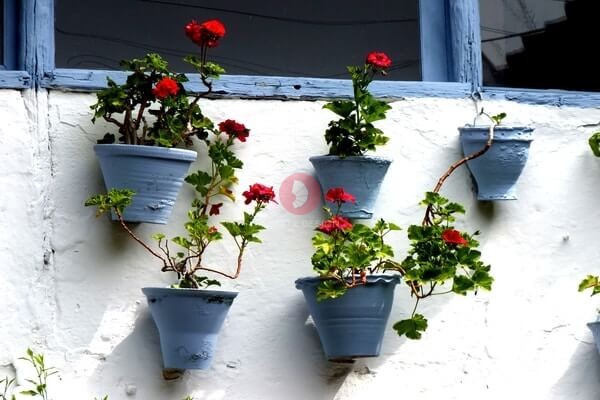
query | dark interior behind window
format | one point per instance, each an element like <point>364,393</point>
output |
<point>541,44</point>
<point>309,38</point>
<point>2,33</point>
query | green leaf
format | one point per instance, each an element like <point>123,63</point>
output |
<point>590,282</point>
<point>329,289</point>
<point>394,227</point>
<point>158,236</point>
<point>343,108</point>
<point>412,328</point>
<point>115,199</point>
<point>462,284</point>
<point>498,118</point>
<point>483,279</point>
<point>594,142</point>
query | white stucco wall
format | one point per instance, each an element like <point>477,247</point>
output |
<point>71,283</point>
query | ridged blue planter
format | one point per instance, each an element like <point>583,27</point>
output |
<point>496,172</point>
<point>595,328</point>
<point>188,322</point>
<point>353,325</point>
<point>360,176</point>
<point>154,173</point>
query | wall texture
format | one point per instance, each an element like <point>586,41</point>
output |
<point>71,283</point>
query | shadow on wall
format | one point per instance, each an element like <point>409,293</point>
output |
<point>581,376</point>
<point>133,361</point>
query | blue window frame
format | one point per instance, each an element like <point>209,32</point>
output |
<point>443,47</point>
<point>12,68</point>
<point>450,52</point>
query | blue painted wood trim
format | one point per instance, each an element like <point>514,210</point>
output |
<point>434,28</point>
<point>243,86</point>
<point>465,42</point>
<point>15,80</point>
<point>543,97</point>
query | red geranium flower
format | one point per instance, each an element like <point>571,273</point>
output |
<point>205,34</point>
<point>234,129</point>
<point>213,230</point>
<point>338,194</point>
<point>166,87</point>
<point>335,224</point>
<point>215,209</point>
<point>378,60</point>
<point>451,236</point>
<point>259,193</point>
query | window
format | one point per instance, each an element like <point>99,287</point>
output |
<point>540,44</point>
<point>309,38</point>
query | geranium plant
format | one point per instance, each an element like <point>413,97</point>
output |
<point>152,107</point>
<point>346,253</point>
<point>354,133</point>
<point>213,187</point>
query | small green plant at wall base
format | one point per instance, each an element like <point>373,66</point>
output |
<point>152,106</point>
<point>5,386</point>
<point>43,372</point>
<point>213,187</point>
<point>354,133</point>
<point>592,283</point>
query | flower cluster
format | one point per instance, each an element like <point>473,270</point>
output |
<point>259,193</point>
<point>378,60</point>
<point>339,195</point>
<point>335,224</point>
<point>234,129</point>
<point>454,237</point>
<point>166,87</point>
<point>206,34</point>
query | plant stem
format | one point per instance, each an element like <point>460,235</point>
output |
<point>137,239</point>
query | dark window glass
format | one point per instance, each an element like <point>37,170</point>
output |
<point>2,33</point>
<point>541,44</point>
<point>312,38</point>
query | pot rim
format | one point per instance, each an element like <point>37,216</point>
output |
<point>469,127</point>
<point>363,158</point>
<point>590,324</point>
<point>145,151</point>
<point>371,279</point>
<point>187,292</point>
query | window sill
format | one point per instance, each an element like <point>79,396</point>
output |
<point>284,88</point>
<point>550,97</point>
<point>15,80</point>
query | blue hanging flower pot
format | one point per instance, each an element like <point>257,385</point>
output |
<point>154,173</point>
<point>360,176</point>
<point>352,325</point>
<point>188,322</point>
<point>496,172</point>
<point>595,328</point>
